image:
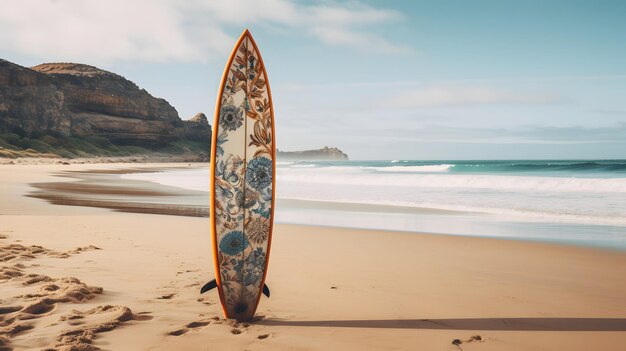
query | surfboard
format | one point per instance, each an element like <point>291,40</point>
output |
<point>243,153</point>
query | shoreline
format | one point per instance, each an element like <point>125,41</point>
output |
<point>332,288</point>
<point>109,188</point>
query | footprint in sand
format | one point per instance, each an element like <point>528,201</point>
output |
<point>4,344</point>
<point>73,318</point>
<point>86,325</point>
<point>198,324</point>
<point>38,308</point>
<point>84,248</point>
<point>42,302</point>
<point>9,309</point>
<point>474,338</point>
<point>237,327</point>
<point>190,326</point>
<point>166,297</point>
<point>178,332</point>
<point>205,301</point>
<point>43,295</point>
<point>13,252</point>
<point>9,272</point>
<point>36,278</point>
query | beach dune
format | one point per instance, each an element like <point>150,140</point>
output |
<point>84,278</point>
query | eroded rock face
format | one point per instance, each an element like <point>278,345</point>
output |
<point>89,89</point>
<point>82,100</point>
<point>29,102</point>
<point>197,128</point>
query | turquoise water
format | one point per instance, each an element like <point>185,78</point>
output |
<point>602,168</point>
<point>573,201</point>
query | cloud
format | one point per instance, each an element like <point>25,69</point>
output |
<point>175,31</point>
<point>529,134</point>
<point>101,31</point>
<point>442,96</point>
<point>574,134</point>
<point>342,36</point>
<point>348,26</point>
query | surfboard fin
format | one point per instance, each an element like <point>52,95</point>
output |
<point>213,284</point>
<point>208,286</point>
<point>266,290</point>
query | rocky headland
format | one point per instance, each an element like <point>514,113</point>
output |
<point>76,110</point>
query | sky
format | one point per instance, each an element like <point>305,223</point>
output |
<point>446,79</point>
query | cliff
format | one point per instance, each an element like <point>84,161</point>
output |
<point>29,101</point>
<point>324,154</point>
<point>196,128</point>
<point>76,100</point>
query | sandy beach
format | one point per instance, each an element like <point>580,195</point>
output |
<point>85,278</point>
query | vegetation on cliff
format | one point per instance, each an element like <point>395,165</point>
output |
<point>45,145</point>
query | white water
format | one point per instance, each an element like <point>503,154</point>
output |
<point>571,203</point>
<point>412,169</point>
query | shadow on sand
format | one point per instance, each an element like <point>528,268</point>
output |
<point>511,324</point>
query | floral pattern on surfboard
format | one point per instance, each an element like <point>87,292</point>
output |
<point>243,179</point>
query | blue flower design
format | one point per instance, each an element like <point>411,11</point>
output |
<point>231,117</point>
<point>223,193</point>
<point>253,268</point>
<point>222,138</point>
<point>259,173</point>
<point>256,258</point>
<point>262,211</point>
<point>232,178</point>
<point>237,265</point>
<point>246,200</point>
<point>264,206</point>
<point>233,243</point>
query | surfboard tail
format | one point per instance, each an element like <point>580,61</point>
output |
<point>213,284</point>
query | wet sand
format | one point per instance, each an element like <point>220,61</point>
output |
<point>105,188</point>
<point>94,278</point>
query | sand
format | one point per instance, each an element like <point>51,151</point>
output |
<point>83,278</point>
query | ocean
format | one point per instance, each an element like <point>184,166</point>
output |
<point>580,202</point>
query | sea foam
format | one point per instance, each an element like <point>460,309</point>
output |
<point>578,194</point>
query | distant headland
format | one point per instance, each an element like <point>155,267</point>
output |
<point>324,154</point>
